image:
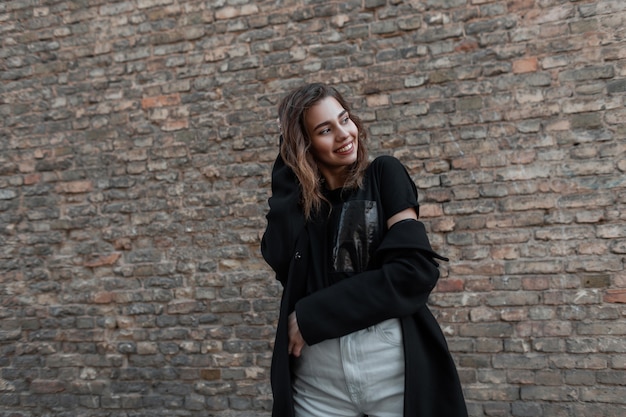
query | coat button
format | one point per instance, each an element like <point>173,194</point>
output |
<point>298,255</point>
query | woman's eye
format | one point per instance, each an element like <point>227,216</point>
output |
<point>345,120</point>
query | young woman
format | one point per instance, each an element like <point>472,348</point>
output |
<point>354,337</point>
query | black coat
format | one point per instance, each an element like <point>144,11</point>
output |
<point>398,288</point>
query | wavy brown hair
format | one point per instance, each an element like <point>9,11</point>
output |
<point>296,143</point>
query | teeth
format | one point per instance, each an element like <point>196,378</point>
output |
<point>345,148</point>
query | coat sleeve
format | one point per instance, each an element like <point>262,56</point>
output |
<point>285,220</point>
<point>400,286</point>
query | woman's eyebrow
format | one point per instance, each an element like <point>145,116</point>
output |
<point>344,111</point>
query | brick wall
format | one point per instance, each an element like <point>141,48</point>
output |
<point>136,140</point>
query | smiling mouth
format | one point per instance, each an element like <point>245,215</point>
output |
<point>345,148</point>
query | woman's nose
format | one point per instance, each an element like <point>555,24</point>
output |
<point>342,133</point>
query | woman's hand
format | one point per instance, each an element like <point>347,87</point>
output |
<point>296,342</point>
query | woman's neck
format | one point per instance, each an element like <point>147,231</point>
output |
<point>332,182</point>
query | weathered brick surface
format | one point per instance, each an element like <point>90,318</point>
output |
<point>136,141</point>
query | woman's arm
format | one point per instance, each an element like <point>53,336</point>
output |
<point>398,288</point>
<point>405,214</point>
<point>284,220</point>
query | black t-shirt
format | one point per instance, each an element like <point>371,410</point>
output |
<point>345,236</point>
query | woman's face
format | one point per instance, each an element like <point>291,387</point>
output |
<point>334,139</point>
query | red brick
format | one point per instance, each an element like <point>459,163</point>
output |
<point>31,179</point>
<point>41,386</point>
<point>615,296</point>
<point>75,187</point>
<point>466,162</point>
<point>479,284</point>
<point>104,297</point>
<point>525,65</point>
<point>160,101</point>
<point>466,45</point>
<point>505,252</point>
<point>517,5</point>
<point>210,374</point>
<point>450,285</point>
<point>535,283</point>
<point>476,268</point>
<point>172,125</point>
<point>445,224</point>
<point>431,210</point>
<point>103,260</point>
<point>182,307</point>
<point>514,314</point>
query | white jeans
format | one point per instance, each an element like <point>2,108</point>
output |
<point>358,374</point>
